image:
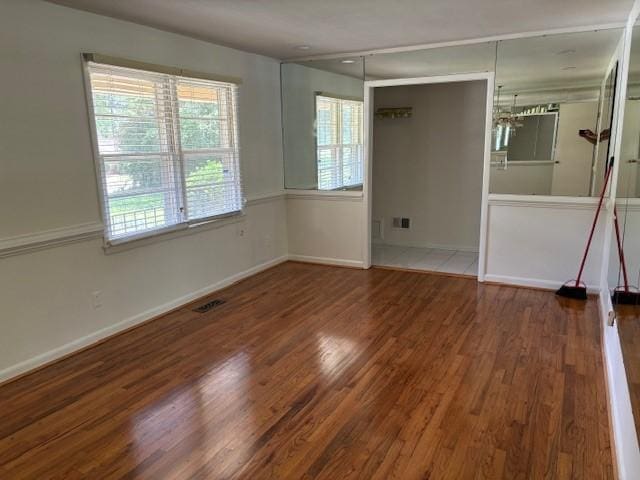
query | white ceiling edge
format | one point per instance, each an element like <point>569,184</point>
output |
<point>458,43</point>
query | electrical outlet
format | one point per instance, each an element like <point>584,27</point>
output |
<point>401,222</point>
<point>241,230</point>
<point>97,299</point>
<point>612,318</point>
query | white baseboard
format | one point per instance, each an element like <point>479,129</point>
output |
<point>460,248</point>
<point>327,261</point>
<point>80,343</point>
<point>625,440</point>
<point>531,282</point>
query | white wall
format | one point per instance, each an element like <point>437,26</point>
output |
<point>429,167</point>
<point>572,175</point>
<point>521,179</point>
<point>299,84</point>
<point>539,241</point>
<point>47,182</point>
<point>326,228</point>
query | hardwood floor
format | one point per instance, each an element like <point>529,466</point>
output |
<point>628,318</point>
<point>321,372</point>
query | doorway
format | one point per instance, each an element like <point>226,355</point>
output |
<point>428,151</point>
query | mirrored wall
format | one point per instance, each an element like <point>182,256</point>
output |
<point>549,95</point>
<point>322,113</point>
<point>624,262</point>
<point>551,116</point>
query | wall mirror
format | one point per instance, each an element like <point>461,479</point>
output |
<point>624,262</point>
<point>548,97</point>
<point>322,117</point>
<point>478,57</point>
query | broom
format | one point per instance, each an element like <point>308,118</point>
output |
<point>623,295</point>
<point>576,288</point>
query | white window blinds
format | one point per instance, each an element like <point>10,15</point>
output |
<point>167,149</point>
<point>339,142</point>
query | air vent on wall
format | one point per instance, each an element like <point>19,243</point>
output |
<point>208,306</point>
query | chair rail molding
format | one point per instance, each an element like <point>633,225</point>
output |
<point>335,195</point>
<point>543,201</point>
<point>31,242</point>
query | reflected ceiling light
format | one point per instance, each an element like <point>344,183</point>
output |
<point>570,51</point>
<point>505,119</point>
<point>347,61</point>
<point>303,47</point>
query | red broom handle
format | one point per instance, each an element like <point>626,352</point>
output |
<point>593,227</point>
<point>620,250</point>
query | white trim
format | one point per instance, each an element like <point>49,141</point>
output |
<point>628,204</point>
<point>543,201</point>
<point>191,228</point>
<point>341,195</point>
<point>367,190</point>
<point>341,262</point>
<point>486,175</point>
<point>369,86</point>
<point>55,237</point>
<point>103,333</point>
<point>453,248</point>
<point>169,234</point>
<point>264,198</point>
<point>532,282</point>
<point>457,43</point>
<point>624,439</point>
<point>452,78</point>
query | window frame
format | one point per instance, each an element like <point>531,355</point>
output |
<point>338,146</point>
<point>179,184</point>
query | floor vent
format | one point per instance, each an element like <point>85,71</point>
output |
<point>205,307</point>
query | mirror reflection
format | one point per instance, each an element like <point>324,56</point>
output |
<point>480,57</point>
<point>624,263</point>
<point>546,135</point>
<point>322,110</point>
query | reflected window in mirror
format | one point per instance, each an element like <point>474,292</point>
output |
<point>322,122</point>
<point>339,150</point>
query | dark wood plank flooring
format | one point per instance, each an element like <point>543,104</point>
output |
<point>628,318</point>
<point>320,372</point>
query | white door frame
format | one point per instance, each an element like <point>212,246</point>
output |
<point>489,77</point>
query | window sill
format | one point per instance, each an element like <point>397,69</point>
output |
<point>340,195</point>
<point>292,192</point>
<point>169,234</point>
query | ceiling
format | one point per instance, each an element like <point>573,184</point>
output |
<point>277,27</point>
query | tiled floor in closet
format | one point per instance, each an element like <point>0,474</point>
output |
<point>431,259</point>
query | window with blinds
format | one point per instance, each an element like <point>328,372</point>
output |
<point>167,149</point>
<point>339,142</point>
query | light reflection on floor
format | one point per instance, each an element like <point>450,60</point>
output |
<point>335,353</point>
<point>194,407</point>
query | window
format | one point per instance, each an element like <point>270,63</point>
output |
<point>167,149</point>
<point>339,142</point>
